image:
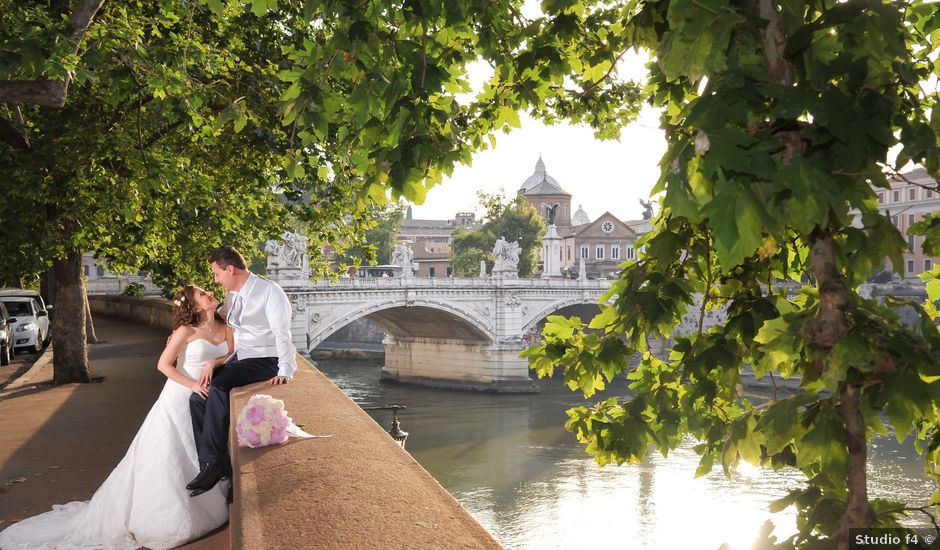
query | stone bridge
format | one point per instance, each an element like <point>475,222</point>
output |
<point>449,332</point>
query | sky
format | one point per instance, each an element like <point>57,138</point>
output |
<point>600,175</point>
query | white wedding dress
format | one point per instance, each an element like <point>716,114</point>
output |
<point>144,502</point>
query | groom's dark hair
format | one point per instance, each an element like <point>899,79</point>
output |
<point>227,255</point>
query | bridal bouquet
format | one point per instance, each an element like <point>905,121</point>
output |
<point>263,421</point>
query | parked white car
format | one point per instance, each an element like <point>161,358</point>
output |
<point>31,330</point>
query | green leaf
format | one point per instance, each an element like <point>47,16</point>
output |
<point>780,421</point>
<point>261,7</point>
<point>735,220</point>
<point>507,116</point>
<point>240,121</point>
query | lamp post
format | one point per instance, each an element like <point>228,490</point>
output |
<point>396,432</point>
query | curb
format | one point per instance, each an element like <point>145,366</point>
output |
<point>23,379</point>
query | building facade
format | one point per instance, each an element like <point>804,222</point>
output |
<point>603,245</point>
<point>430,241</point>
<point>434,231</point>
<point>432,259</point>
<point>98,280</point>
<point>911,197</point>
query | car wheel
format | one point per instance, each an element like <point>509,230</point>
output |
<point>5,356</point>
<point>38,347</point>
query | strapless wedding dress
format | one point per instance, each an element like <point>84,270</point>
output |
<point>144,502</point>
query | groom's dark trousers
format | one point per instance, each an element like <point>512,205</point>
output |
<point>211,415</point>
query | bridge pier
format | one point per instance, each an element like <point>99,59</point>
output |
<point>458,364</point>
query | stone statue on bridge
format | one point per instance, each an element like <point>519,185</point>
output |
<point>507,258</point>
<point>288,258</point>
<point>273,250</point>
<point>294,251</point>
<point>403,256</point>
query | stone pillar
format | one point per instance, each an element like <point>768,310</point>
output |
<point>446,363</point>
<point>582,272</point>
<point>551,254</point>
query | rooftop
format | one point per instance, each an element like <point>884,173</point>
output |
<point>540,183</point>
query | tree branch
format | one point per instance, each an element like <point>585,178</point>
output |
<point>896,174</point>
<point>830,323</point>
<point>12,136</point>
<point>52,93</point>
<point>595,85</point>
<point>45,93</point>
<point>81,18</point>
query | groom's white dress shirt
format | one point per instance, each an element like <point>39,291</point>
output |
<point>260,316</point>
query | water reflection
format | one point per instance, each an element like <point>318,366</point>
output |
<point>509,461</point>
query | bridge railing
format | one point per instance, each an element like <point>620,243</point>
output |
<point>457,282</point>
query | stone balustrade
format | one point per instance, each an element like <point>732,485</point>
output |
<point>453,282</point>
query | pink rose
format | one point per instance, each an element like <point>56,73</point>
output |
<point>278,436</point>
<point>255,413</point>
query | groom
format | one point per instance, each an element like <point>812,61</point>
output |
<point>260,315</point>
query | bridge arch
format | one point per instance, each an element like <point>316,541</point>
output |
<point>413,318</point>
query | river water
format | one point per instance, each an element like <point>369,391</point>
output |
<point>512,465</point>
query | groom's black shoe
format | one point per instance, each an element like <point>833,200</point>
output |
<point>208,476</point>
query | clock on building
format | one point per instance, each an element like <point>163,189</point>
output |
<point>607,227</point>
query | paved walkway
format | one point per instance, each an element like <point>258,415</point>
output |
<point>61,442</point>
<point>20,363</point>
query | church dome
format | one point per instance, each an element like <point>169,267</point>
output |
<point>539,177</point>
<point>580,217</point>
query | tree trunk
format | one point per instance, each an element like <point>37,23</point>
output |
<point>92,338</point>
<point>47,287</point>
<point>69,349</point>
<point>858,511</point>
<point>829,325</point>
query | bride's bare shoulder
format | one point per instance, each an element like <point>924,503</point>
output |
<point>183,332</point>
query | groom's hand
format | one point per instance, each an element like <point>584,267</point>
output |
<point>279,380</point>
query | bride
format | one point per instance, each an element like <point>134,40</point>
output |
<point>143,502</point>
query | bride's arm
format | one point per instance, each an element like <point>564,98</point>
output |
<point>173,347</point>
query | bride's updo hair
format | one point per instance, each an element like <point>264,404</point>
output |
<point>184,307</point>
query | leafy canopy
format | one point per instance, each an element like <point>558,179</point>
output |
<point>190,123</point>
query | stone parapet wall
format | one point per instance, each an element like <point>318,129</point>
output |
<point>149,311</point>
<point>356,489</point>
<point>116,285</point>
